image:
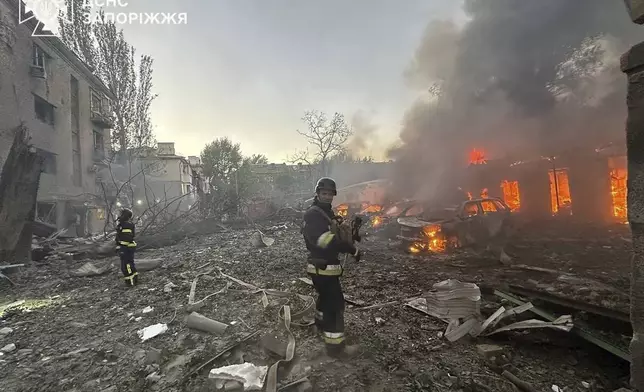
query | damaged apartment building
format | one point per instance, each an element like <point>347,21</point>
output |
<point>584,185</point>
<point>159,177</point>
<point>65,107</point>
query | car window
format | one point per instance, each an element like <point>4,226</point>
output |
<point>488,206</point>
<point>499,205</point>
<point>414,210</point>
<point>471,209</point>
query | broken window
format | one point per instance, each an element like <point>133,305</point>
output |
<point>99,145</point>
<point>560,199</point>
<point>618,190</point>
<point>500,206</point>
<point>48,161</point>
<point>44,110</point>
<point>38,57</point>
<point>471,209</point>
<point>96,103</point>
<point>510,192</point>
<point>46,212</point>
<point>488,206</point>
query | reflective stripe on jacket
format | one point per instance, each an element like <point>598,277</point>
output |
<point>330,270</point>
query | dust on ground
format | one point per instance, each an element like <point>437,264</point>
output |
<point>82,335</point>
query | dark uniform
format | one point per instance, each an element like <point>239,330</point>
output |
<point>325,270</point>
<point>125,232</point>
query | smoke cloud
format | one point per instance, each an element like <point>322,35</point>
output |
<point>364,136</point>
<point>520,79</point>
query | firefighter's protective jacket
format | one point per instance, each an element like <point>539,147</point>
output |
<point>125,234</point>
<point>324,246</point>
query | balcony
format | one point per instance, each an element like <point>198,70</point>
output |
<point>101,112</point>
<point>101,119</point>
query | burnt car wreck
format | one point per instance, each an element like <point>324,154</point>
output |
<point>478,222</point>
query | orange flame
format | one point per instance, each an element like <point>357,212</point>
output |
<point>376,221</point>
<point>484,193</point>
<point>618,192</point>
<point>434,242</point>
<point>371,208</point>
<point>477,157</point>
<point>510,191</point>
<point>560,186</point>
<point>342,210</point>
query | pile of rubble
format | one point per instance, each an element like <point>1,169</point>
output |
<point>230,310</point>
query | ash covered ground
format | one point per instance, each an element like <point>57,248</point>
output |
<point>80,334</point>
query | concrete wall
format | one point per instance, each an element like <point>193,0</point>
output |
<point>18,89</point>
<point>171,179</point>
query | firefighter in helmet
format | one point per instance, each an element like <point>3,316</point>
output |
<point>126,246</point>
<point>325,269</point>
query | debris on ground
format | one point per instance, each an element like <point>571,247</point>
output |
<point>151,331</point>
<point>94,321</point>
<point>250,376</point>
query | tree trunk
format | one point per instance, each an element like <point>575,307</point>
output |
<point>19,183</point>
<point>632,63</point>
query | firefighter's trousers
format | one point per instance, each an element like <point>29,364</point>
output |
<point>127,265</point>
<point>330,310</point>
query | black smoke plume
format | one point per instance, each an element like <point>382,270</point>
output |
<point>519,79</point>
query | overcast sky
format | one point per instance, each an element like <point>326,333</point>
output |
<point>248,69</point>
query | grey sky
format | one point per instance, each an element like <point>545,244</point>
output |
<point>248,69</point>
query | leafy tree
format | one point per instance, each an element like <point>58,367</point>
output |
<point>230,176</point>
<point>104,48</point>
<point>220,159</point>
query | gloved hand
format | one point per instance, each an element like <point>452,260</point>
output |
<point>357,255</point>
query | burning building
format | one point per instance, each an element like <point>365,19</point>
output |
<point>591,186</point>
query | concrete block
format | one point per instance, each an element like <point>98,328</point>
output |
<point>489,351</point>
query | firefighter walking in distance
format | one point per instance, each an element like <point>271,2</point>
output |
<point>126,246</point>
<point>325,244</point>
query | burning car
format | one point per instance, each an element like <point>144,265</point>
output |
<point>478,221</point>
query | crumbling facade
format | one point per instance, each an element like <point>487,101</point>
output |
<point>45,86</point>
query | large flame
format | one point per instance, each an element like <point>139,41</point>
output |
<point>477,157</point>
<point>511,197</point>
<point>559,186</point>
<point>434,240</point>
<point>618,190</point>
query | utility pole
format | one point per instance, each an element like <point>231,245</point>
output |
<point>632,64</point>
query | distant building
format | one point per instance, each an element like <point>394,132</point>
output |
<point>67,111</point>
<point>169,178</point>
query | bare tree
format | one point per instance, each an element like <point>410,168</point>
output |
<point>327,136</point>
<point>104,48</point>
